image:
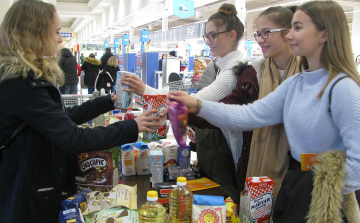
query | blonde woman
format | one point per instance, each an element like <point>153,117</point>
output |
<point>33,164</point>
<point>315,121</point>
<point>112,67</point>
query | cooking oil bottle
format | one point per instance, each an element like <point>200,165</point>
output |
<point>152,210</point>
<point>181,202</point>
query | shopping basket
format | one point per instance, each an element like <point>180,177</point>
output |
<point>76,99</point>
<point>187,84</point>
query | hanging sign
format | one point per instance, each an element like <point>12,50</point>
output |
<point>125,40</point>
<point>106,44</point>
<point>144,36</point>
<point>184,8</point>
<point>116,42</point>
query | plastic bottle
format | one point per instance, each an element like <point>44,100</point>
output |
<point>180,202</point>
<point>129,115</point>
<point>152,210</point>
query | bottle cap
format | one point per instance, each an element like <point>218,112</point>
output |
<point>181,181</point>
<point>129,109</point>
<point>152,195</point>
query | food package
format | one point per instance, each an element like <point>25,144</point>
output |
<point>115,215</point>
<point>98,169</point>
<point>208,209</point>
<point>124,99</point>
<point>157,102</point>
<point>256,204</point>
<point>155,145</point>
<point>75,200</point>
<point>184,156</point>
<point>71,215</point>
<point>178,115</point>
<point>164,190</point>
<point>120,195</point>
<point>128,160</point>
<point>156,167</point>
<point>143,160</point>
<point>170,152</point>
<point>231,211</point>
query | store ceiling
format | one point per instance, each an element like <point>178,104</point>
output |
<point>76,14</point>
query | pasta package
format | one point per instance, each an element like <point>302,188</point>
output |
<point>178,115</point>
<point>209,209</point>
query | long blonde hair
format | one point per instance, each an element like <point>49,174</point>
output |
<point>25,33</point>
<point>336,55</point>
<point>113,61</point>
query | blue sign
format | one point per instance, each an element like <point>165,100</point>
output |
<point>116,42</point>
<point>106,44</point>
<point>144,36</point>
<point>66,34</point>
<point>125,40</point>
<point>184,8</point>
<point>248,47</point>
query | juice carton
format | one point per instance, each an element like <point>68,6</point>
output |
<point>184,156</point>
<point>158,102</point>
<point>124,99</point>
<point>256,204</point>
<point>156,167</point>
<point>307,161</point>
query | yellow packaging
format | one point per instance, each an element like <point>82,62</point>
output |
<point>231,214</point>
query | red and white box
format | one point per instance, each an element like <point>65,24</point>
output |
<point>256,203</point>
<point>158,102</point>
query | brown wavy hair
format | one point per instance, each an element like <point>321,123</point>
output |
<point>227,16</point>
<point>25,33</point>
<point>336,55</point>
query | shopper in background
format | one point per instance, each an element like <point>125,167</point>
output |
<point>91,67</point>
<point>112,67</point>
<point>161,61</point>
<point>182,63</point>
<point>172,54</point>
<point>68,65</point>
<point>33,166</point>
<point>82,59</point>
<point>315,121</point>
<point>223,32</point>
<point>104,59</point>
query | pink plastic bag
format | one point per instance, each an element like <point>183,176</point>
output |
<point>178,115</point>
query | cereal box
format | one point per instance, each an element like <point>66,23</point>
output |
<point>98,169</point>
<point>158,102</point>
<point>256,204</point>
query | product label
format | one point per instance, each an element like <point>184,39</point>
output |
<point>93,163</point>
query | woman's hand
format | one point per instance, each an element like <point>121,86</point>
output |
<point>144,121</point>
<point>191,103</point>
<point>113,97</point>
<point>135,83</point>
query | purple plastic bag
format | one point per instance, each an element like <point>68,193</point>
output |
<point>178,115</point>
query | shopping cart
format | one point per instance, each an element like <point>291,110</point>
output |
<point>76,99</point>
<point>187,84</point>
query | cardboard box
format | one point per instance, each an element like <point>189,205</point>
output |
<point>124,99</point>
<point>158,102</point>
<point>156,167</point>
<point>256,204</point>
<point>98,169</point>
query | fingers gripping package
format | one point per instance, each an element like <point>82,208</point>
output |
<point>178,115</point>
<point>124,99</point>
<point>157,102</point>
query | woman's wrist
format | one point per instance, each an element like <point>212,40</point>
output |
<point>198,106</point>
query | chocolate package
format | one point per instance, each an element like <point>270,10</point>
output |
<point>98,170</point>
<point>178,115</point>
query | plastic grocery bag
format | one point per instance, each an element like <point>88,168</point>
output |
<point>178,115</point>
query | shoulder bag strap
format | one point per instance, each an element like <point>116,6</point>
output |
<point>15,133</point>
<point>331,89</point>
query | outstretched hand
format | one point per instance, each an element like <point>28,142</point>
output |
<point>191,103</point>
<point>135,83</point>
<point>144,121</point>
<point>113,97</point>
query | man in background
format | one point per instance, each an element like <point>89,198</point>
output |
<point>68,65</point>
<point>104,59</point>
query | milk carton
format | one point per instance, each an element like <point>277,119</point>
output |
<point>256,204</point>
<point>156,167</point>
<point>124,99</point>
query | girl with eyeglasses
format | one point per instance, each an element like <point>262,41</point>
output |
<point>320,112</point>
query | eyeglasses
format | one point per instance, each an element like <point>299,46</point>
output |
<point>212,36</point>
<point>265,34</point>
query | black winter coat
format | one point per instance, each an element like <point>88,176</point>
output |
<point>33,167</point>
<point>68,65</point>
<point>105,58</point>
<point>91,67</point>
<point>112,70</point>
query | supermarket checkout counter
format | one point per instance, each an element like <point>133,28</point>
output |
<point>143,186</point>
